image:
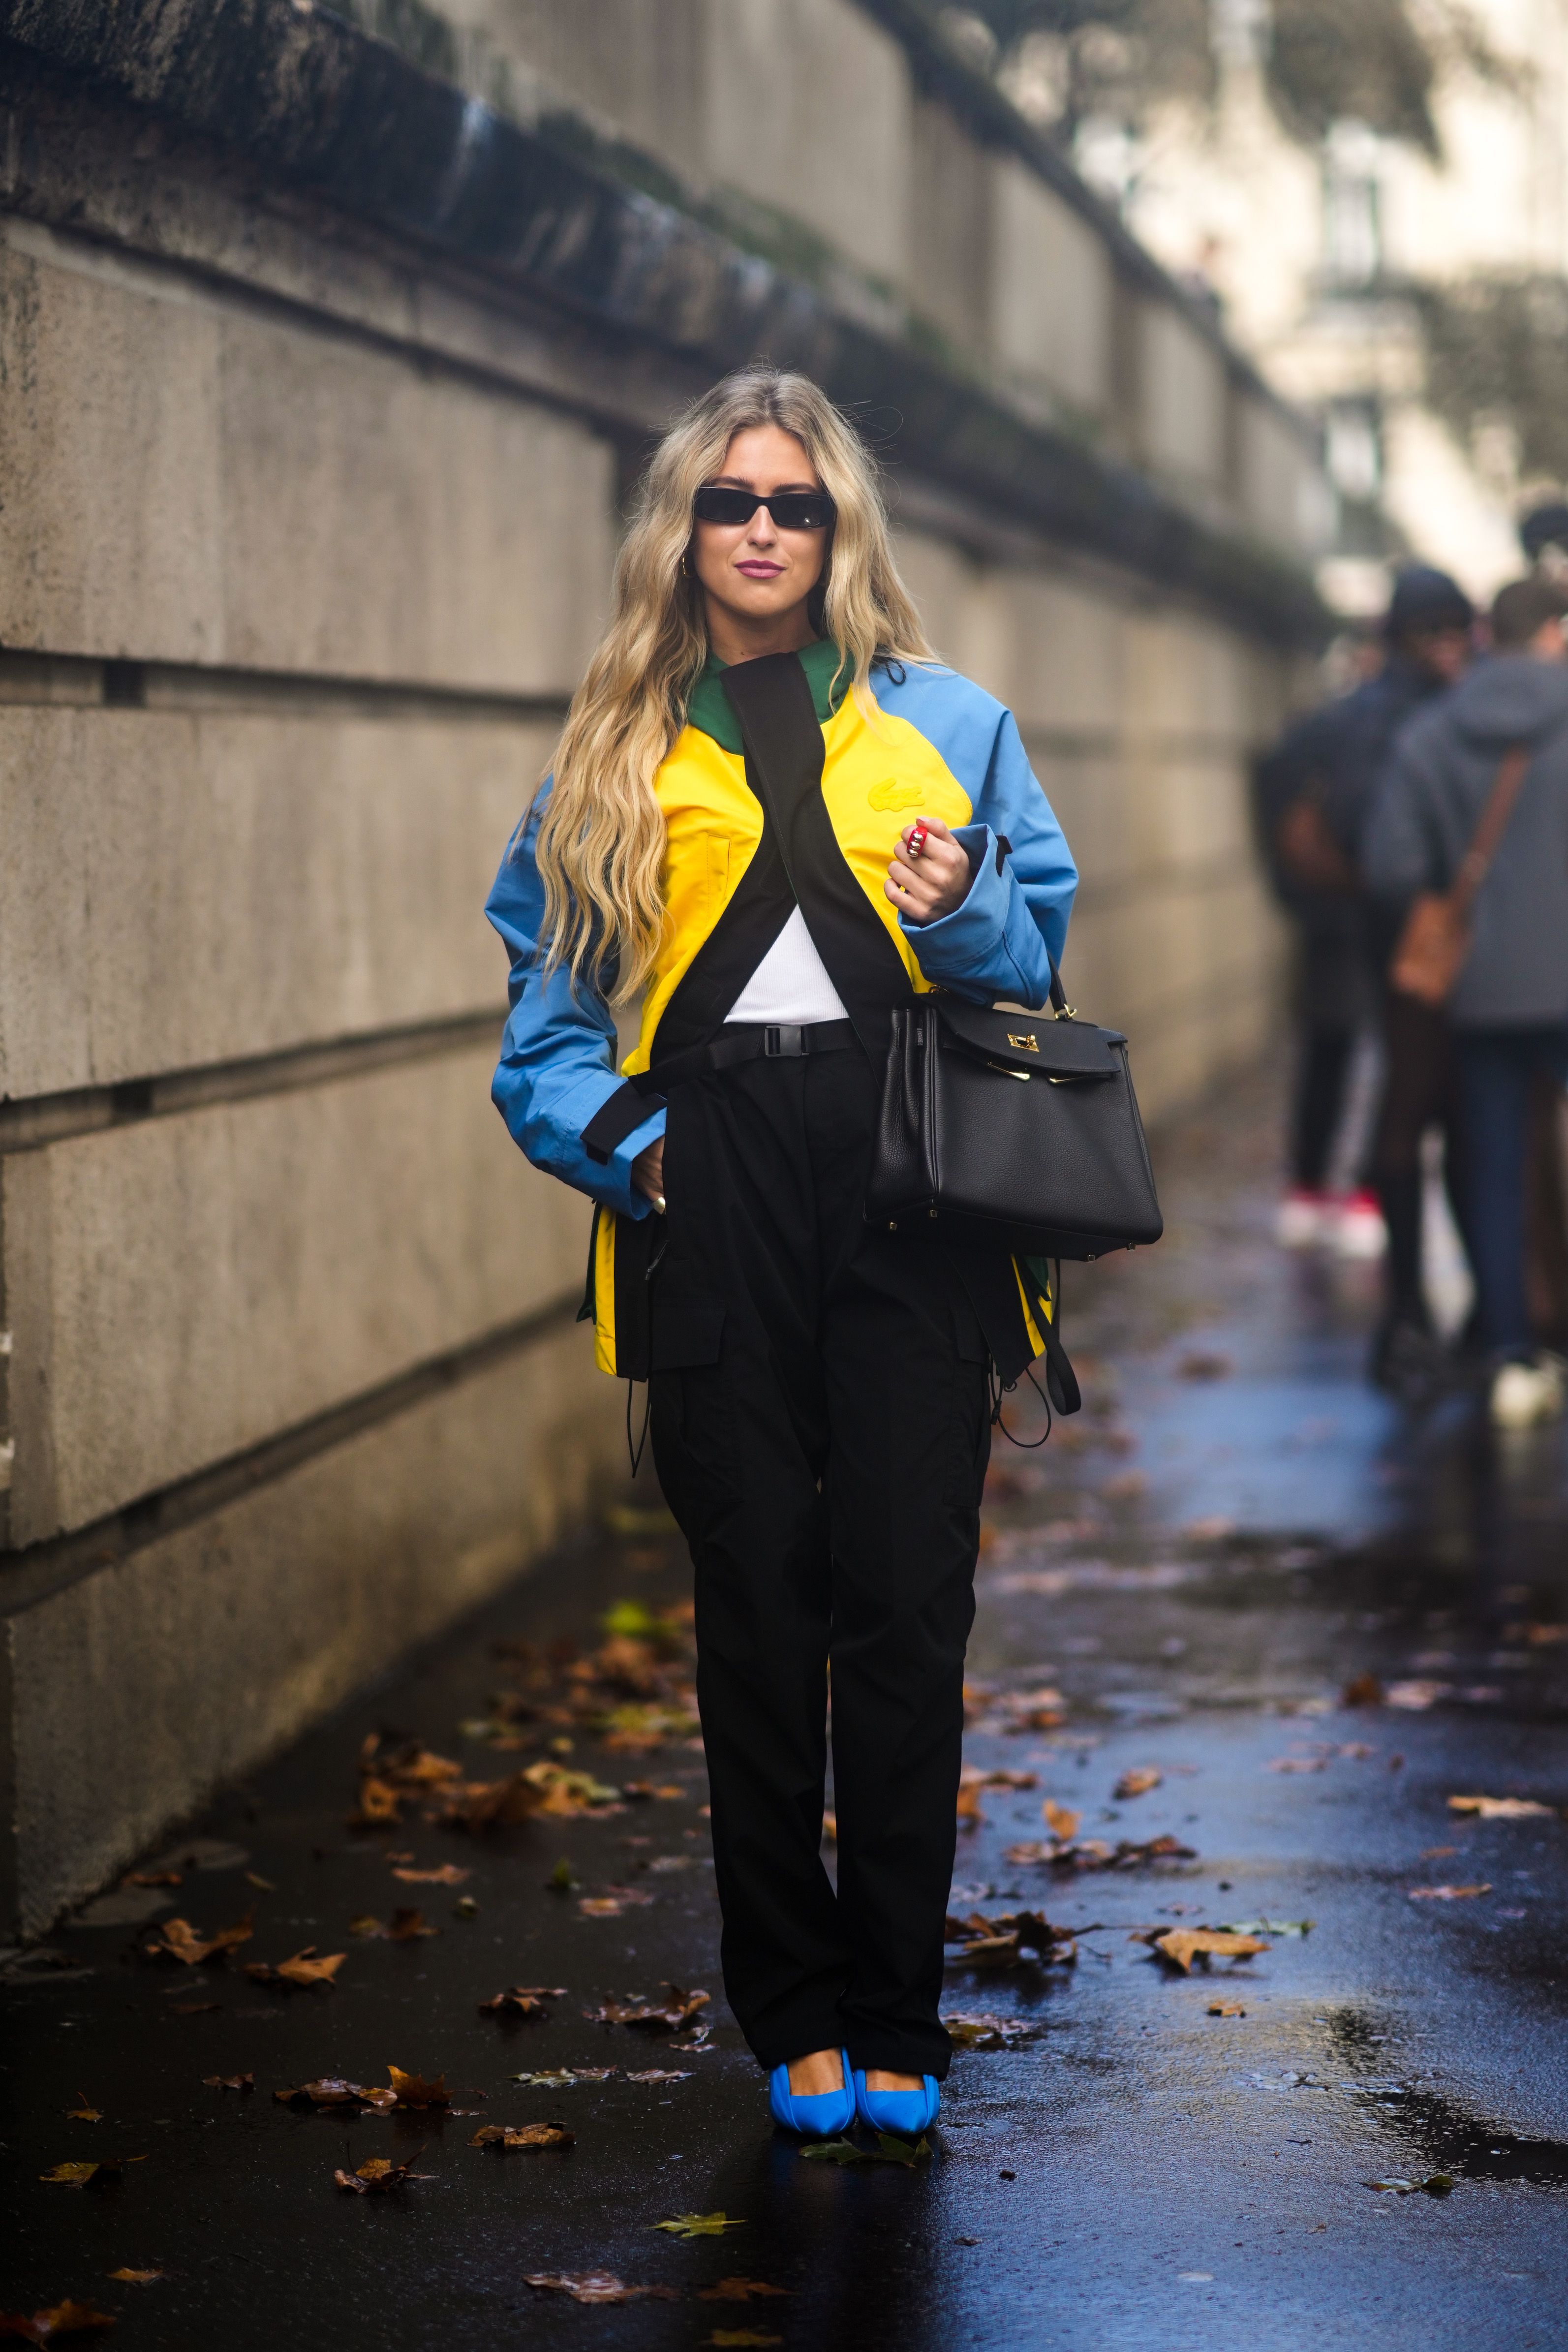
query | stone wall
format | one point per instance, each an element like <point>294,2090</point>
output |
<point>319,384</point>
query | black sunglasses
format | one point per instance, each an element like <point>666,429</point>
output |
<point>791,509</point>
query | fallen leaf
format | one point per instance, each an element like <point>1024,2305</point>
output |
<point>381,1805</point>
<point>1225,2009</point>
<point>596,2287</point>
<point>1297,1764</point>
<point>979,2030</point>
<point>1416,1697</point>
<point>178,1940</point>
<point>254,1878</point>
<point>414,2091</point>
<point>448,1874</point>
<point>377,2176</point>
<point>641,1790</point>
<point>1541,1637</point>
<point>138,2278</point>
<point>677,2011</point>
<point>1138,1781</point>
<point>970,1815</point>
<point>661,2074</point>
<point>739,2290</point>
<point>229,2081</point>
<point>889,2149</point>
<point>1200,1365</point>
<point>522,2000</point>
<point>504,2136</point>
<point>1060,1820</point>
<point>154,1878</point>
<point>86,2113</point>
<point>740,2335</point>
<point>1182,1946</point>
<point>333,2090</point>
<point>408,1926</point>
<point>564,2078</point>
<point>599,1907</point>
<point>1362,1690</point>
<point>60,2319</point>
<point>1436,2184</point>
<point>304,1968</point>
<point>77,2176</point>
<point>1500,1809</point>
<point>699,2225</point>
<point>1447,1893</point>
<point>367,1923</point>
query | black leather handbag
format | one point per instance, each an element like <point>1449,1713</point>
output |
<point>1023,1124</point>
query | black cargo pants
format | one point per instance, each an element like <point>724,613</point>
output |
<point>825,1463</point>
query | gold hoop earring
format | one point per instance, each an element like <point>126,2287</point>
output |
<point>685,573</point>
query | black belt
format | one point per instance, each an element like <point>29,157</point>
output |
<point>737,1041</point>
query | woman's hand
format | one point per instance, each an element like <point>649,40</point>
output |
<point>932,881</point>
<point>648,1173</point>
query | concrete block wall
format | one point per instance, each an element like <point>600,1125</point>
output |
<point>289,623</point>
<point>306,532</point>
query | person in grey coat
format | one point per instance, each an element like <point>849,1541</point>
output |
<point>1509,1005</point>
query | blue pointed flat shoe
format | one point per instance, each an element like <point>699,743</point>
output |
<point>823,2116</point>
<point>905,2114</point>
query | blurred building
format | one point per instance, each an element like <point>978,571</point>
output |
<point>1367,277</point>
<point>329,347</point>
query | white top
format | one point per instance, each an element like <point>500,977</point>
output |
<point>790,983</point>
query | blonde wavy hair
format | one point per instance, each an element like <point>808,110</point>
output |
<point>600,841</point>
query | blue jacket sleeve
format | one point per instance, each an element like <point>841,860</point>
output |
<point>1008,934</point>
<point>557,1051</point>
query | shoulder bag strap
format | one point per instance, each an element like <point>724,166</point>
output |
<point>1486,839</point>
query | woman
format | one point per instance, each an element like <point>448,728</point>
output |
<point>774,817</point>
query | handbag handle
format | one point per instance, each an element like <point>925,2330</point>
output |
<point>1059,1004</point>
<point>1488,836</point>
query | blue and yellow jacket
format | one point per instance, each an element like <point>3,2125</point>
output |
<point>936,746</point>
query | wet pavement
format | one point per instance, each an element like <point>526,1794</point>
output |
<point>1184,1581</point>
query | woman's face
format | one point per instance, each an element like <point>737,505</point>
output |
<point>753,571</point>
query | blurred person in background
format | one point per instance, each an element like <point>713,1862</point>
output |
<point>1313,793</point>
<point>1509,1008</point>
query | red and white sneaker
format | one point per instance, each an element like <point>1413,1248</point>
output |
<point>1303,1219</point>
<point>1358,1228</point>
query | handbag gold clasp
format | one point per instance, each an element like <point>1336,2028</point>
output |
<point>1028,1044</point>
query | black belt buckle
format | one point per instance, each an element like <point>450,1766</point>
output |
<point>783,1041</point>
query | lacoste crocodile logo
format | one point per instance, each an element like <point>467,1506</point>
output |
<point>891,794</point>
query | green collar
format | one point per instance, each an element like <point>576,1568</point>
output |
<point>709,706</point>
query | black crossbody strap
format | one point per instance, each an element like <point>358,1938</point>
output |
<point>784,756</point>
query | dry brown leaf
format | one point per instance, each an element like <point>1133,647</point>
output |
<point>641,1790</point>
<point>675,2013</point>
<point>596,2287</point>
<point>1182,1946</point>
<point>1541,1637</point>
<point>304,1968</point>
<point>599,1907</point>
<point>178,1940</point>
<point>333,2090</point>
<point>1362,1690</point>
<point>971,1817</point>
<point>660,2074</point>
<point>1060,1820</point>
<point>449,1873</point>
<point>522,2000</point>
<point>138,2278</point>
<point>1447,1893</point>
<point>79,2175</point>
<point>367,1923</point>
<point>505,2135</point>
<point>408,1926</point>
<point>1500,1809</point>
<point>1225,2009</point>
<point>154,1878</point>
<point>415,2091</point>
<point>229,2081</point>
<point>86,2113</point>
<point>980,2031</point>
<point>377,2176</point>
<point>739,2290</point>
<point>1297,1764</point>
<point>1138,1781</point>
<point>381,1805</point>
<point>60,2319</point>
